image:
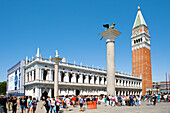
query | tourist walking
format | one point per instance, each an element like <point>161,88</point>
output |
<point>131,100</point>
<point>3,102</point>
<point>14,105</point>
<point>67,102</point>
<point>46,104</point>
<point>154,99</point>
<point>81,102</point>
<point>9,101</point>
<point>53,106</point>
<point>34,102</point>
<point>74,101</point>
<point>29,104</point>
<point>123,101</point>
<point>22,103</point>
<point>57,104</point>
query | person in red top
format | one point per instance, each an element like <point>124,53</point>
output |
<point>74,101</point>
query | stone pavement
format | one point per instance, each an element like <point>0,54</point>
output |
<point>144,108</point>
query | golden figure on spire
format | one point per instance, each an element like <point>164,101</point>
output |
<point>138,7</point>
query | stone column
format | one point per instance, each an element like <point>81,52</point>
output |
<point>37,73</point>
<point>32,75</point>
<point>86,79</point>
<point>102,81</point>
<point>49,93</point>
<point>66,78</point>
<point>97,80</point>
<point>40,94</point>
<point>37,93</point>
<point>56,59</point>
<point>59,78</point>
<point>40,74</point>
<point>26,77</point>
<point>74,78</point>
<point>50,75</point>
<point>110,35</point>
<point>80,78</point>
<point>92,79</point>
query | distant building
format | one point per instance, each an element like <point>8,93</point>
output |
<point>163,87</point>
<point>15,79</point>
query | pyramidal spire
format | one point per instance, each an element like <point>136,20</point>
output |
<point>139,19</point>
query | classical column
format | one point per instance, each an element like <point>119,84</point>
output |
<point>56,59</point>
<point>80,78</point>
<point>26,77</point>
<point>92,79</point>
<point>40,74</point>
<point>49,92</point>
<point>66,78</point>
<point>50,75</point>
<point>59,77</point>
<point>97,80</point>
<point>102,81</point>
<point>37,93</point>
<point>40,94</point>
<point>74,78</point>
<point>110,35</point>
<point>30,79</point>
<point>118,82</point>
<point>37,73</point>
<point>32,75</point>
<point>86,79</point>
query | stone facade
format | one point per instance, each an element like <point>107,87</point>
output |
<point>74,80</point>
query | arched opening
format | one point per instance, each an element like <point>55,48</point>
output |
<point>70,77</point>
<point>62,77</point>
<point>77,78</point>
<point>116,92</point>
<point>45,75</point>
<point>100,79</point>
<point>104,81</point>
<point>52,93</point>
<point>77,92</point>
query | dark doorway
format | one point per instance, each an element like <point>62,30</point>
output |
<point>52,93</point>
<point>45,75</point>
<point>62,77</point>
<point>77,92</point>
<point>77,78</point>
<point>45,94</point>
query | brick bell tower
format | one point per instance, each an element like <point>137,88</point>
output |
<point>141,56</point>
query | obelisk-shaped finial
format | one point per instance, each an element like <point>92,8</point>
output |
<point>38,53</point>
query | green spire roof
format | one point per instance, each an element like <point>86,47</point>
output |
<point>139,19</point>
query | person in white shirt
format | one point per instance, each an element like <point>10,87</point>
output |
<point>67,102</point>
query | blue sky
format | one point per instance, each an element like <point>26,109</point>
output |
<point>73,27</point>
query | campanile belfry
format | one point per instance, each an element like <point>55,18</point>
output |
<point>141,55</point>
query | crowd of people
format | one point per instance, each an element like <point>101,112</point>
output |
<point>64,102</point>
